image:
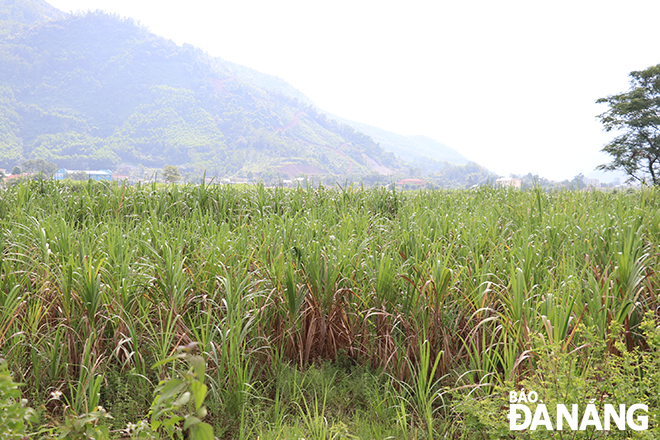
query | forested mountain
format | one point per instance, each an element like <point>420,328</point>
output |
<point>17,14</point>
<point>415,149</point>
<point>97,91</point>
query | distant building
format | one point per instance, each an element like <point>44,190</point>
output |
<point>94,175</point>
<point>417,182</point>
<point>509,182</point>
<point>16,177</point>
<point>592,182</point>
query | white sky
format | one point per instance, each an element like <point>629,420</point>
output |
<point>509,84</point>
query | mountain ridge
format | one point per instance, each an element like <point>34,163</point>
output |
<point>161,104</point>
<point>409,147</point>
<point>17,14</point>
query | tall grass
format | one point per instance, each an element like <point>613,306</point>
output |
<point>428,286</point>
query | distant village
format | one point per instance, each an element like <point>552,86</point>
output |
<point>171,174</point>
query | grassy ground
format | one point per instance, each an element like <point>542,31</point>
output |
<point>328,313</point>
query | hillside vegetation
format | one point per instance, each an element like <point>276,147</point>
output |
<point>15,15</point>
<point>96,91</point>
<point>420,151</point>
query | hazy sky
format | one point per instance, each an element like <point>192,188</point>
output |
<point>509,84</point>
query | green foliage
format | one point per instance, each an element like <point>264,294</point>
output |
<point>11,150</point>
<point>179,403</point>
<point>589,374</point>
<point>178,406</point>
<point>420,151</point>
<point>375,305</point>
<point>74,150</point>
<point>39,166</point>
<point>97,91</point>
<point>637,114</point>
<point>27,12</point>
<point>85,426</point>
<point>447,175</point>
<point>171,174</point>
<point>13,410</point>
<point>174,128</point>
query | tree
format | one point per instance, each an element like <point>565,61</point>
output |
<point>171,174</point>
<point>578,182</point>
<point>39,166</point>
<point>15,171</point>
<point>637,114</point>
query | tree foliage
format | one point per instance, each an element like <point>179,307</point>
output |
<point>95,91</point>
<point>39,166</point>
<point>171,174</point>
<point>636,114</point>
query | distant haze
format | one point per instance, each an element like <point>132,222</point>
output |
<point>508,84</point>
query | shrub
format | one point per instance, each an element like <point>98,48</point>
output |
<point>591,373</point>
<point>13,410</point>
